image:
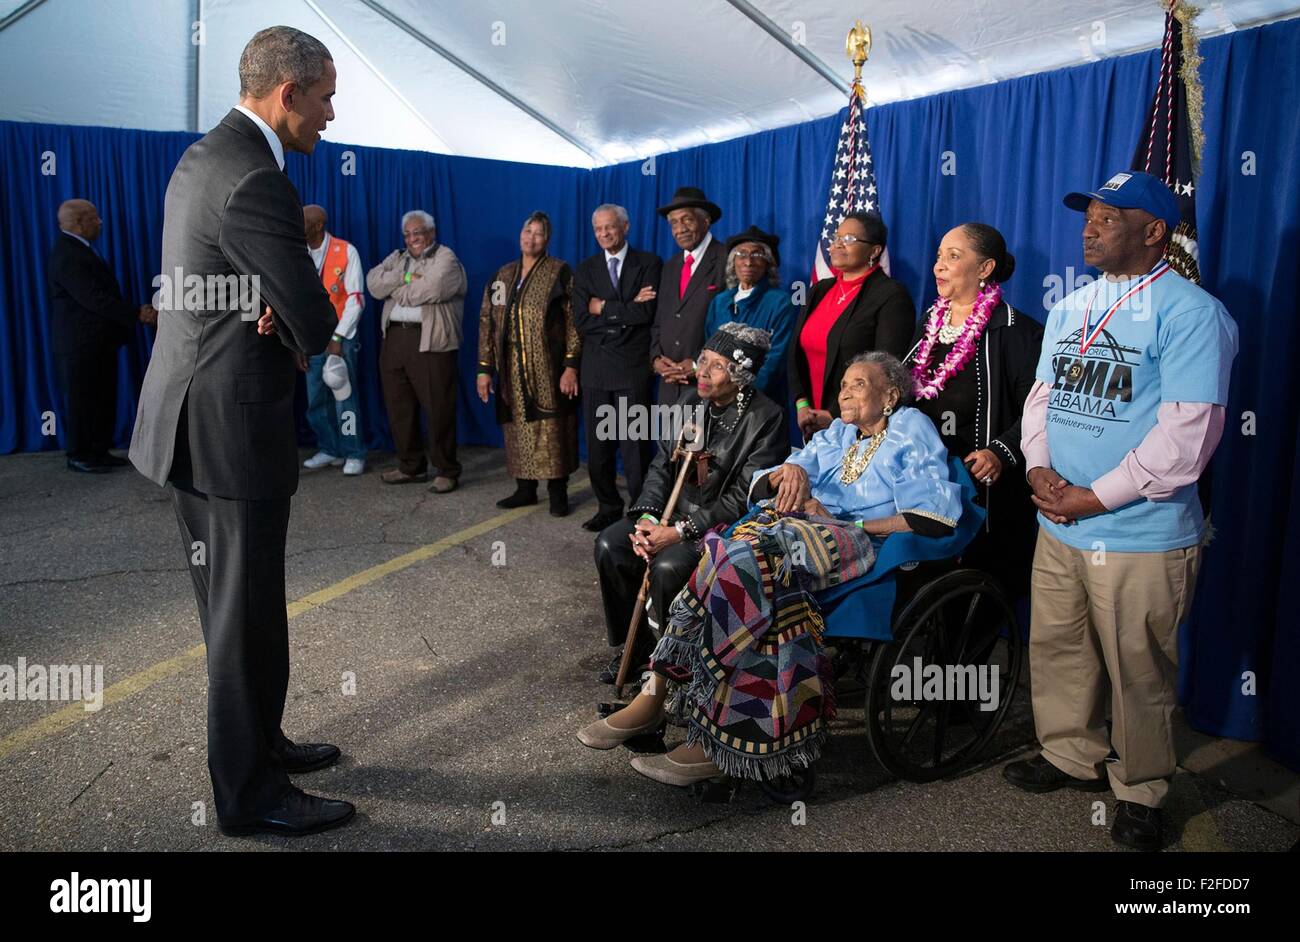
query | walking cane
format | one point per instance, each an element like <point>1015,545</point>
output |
<point>688,459</point>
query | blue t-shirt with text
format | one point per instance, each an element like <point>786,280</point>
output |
<point>1171,342</point>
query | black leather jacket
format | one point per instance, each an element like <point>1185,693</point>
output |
<point>759,440</point>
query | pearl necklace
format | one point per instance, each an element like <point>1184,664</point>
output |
<point>948,333</point>
<point>854,464</point>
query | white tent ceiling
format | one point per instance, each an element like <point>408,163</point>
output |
<point>571,82</point>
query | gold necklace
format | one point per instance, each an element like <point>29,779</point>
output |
<point>855,465</point>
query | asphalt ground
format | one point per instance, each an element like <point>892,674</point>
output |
<point>473,649</point>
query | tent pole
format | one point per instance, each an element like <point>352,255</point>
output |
<point>18,14</point>
<point>479,76</point>
<point>763,22</point>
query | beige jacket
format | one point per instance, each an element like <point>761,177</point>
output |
<point>438,291</point>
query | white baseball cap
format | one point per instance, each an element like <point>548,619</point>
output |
<point>335,375</point>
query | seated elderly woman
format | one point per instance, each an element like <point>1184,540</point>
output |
<point>743,431</point>
<point>744,636</point>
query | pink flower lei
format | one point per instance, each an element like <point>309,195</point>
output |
<point>927,384</point>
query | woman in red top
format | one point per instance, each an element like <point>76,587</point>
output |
<point>860,309</point>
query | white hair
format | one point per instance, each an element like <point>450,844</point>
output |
<point>614,208</point>
<point>420,215</point>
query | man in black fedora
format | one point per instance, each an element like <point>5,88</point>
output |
<point>687,286</point>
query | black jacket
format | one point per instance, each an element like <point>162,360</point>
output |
<point>678,329</point>
<point>881,317</point>
<point>1006,359</point>
<point>615,343</point>
<point>759,441</point>
<point>87,310</point>
<point>230,211</point>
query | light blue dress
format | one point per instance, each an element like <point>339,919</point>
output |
<point>908,474</point>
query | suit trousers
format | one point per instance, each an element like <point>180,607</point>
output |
<point>89,381</point>
<point>1107,626</point>
<point>621,571</point>
<point>413,381</point>
<point>603,448</point>
<point>235,550</point>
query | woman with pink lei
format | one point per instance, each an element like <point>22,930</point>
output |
<point>972,363</point>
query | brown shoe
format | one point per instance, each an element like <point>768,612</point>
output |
<point>443,485</point>
<point>398,476</point>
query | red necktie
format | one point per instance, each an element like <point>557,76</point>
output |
<point>686,277</point>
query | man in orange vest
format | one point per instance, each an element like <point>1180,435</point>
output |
<point>333,408</point>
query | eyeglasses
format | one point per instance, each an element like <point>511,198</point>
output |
<point>742,255</point>
<point>848,240</point>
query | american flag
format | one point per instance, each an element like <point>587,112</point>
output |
<point>1169,147</point>
<point>853,183</point>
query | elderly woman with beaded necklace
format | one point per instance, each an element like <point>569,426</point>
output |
<point>972,363</point>
<point>743,637</point>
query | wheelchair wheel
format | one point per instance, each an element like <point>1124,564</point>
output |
<point>929,715</point>
<point>787,789</point>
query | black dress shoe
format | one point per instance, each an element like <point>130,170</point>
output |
<point>297,813</point>
<point>1137,826</point>
<point>308,757</point>
<point>88,467</point>
<point>1038,775</point>
<point>111,460</point>
<point>602,520</point>
<point>559,503</point>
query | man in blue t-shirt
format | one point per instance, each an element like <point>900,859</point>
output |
<point>1126,412</point>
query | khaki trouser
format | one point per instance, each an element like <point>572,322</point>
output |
<point>1109,622</point>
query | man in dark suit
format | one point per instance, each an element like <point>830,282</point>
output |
<point>613,308</point>
<point>690,280</point>
<point>216,416</point>
<point>89,320</point>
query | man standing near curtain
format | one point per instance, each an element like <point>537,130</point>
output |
<point>613,308</point>
<point>336,421</point>
<point>1126,413</point>
<point>89,320</point>
<point>216,416</point>
<point>690,281</point>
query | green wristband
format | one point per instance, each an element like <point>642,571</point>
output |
<point>651,517</point>
<point>802,404</point>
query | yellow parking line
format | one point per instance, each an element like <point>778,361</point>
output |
<point>69,716</point>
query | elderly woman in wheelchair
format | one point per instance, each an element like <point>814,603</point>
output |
<point>744,638</point>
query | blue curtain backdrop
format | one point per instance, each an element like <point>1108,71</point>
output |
<point>1015,147</point>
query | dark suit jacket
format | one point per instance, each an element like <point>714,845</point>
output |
<point>87,309</point>
<point>881,317</point>
<point>615,343</point>
<point>230,210</point>
<point>678,330</point>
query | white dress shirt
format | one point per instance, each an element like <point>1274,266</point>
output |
<point>621,255</point>
<point>276,147</point>
<point>697,254</point>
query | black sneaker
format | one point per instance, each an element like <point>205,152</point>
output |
<point>1038,775</point>
<point>1137,826</point>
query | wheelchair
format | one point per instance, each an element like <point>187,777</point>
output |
<point>918,610</point>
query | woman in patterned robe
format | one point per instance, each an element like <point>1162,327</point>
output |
<point>744,636</point>
<point>528,354</point>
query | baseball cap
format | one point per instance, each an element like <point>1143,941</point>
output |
<point>1132,189</point>
<point>335,375</point>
